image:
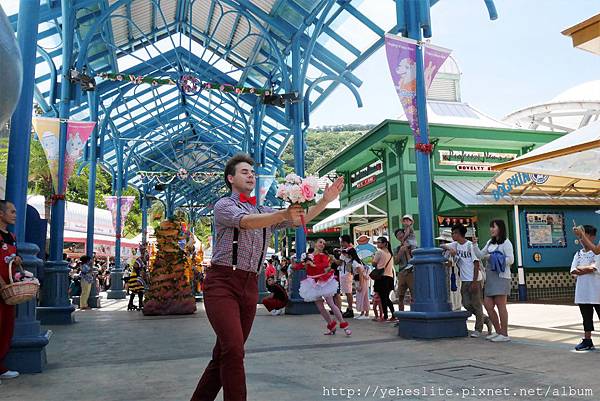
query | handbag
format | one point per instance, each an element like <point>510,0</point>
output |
<point>377,274</point>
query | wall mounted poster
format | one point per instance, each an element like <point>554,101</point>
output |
<point>546,230</point>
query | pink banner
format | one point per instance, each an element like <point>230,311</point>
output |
<point>434,57</point>
<point>78,133</point>
<point>401,55</point>
<point>111,204</point>
<point>402,60</point>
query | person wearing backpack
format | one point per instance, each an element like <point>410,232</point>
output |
<point>499,254</point>
<point>471,286</point>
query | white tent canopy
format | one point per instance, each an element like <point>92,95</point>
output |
<point>566,167</point>
<point>361,210</point>
<point>574,155</point>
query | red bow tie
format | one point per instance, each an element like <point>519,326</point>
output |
<point>248,199</point>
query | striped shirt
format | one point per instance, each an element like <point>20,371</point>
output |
<point>228,212</point>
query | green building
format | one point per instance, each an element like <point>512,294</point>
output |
<point>381,187</point>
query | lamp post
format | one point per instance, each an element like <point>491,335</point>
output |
<point>55,306</point>
<point>431,315</point>
<point>27,351</point>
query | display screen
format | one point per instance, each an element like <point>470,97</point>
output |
<point>546,230</point>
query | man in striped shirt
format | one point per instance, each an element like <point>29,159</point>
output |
<point>243,232</point>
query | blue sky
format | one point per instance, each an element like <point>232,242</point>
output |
<point>518,60</point>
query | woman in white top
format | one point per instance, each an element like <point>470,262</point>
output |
<point>587,288</point>
<point>499,254</point>
<point>361,278</point>
<point>383,259</point>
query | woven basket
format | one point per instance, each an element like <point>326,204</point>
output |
<point>19,292</point>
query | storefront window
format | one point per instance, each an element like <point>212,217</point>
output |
<point>546,230</point>
<point>445,224</point>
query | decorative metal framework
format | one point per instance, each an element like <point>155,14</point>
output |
<point>167,129</point>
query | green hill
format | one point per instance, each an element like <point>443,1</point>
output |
<point>323,144</point>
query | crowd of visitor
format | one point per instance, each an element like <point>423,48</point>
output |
<point>478,278</point>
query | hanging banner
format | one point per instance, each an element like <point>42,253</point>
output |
<point>48,132</point>
<point>111,204</point>
<point>402,61</point>
<point>401,56</point>
<point>434,57</point>
<point>78,133</point>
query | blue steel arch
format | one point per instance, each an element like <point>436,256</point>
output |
<point>280,24</point>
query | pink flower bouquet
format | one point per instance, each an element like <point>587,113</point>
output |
<point>296,190</point>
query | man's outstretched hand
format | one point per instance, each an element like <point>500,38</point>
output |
<point>332,191</point>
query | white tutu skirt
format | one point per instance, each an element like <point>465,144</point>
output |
<point>311,289</point>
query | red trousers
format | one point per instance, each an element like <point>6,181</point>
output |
<point>230,298</point>
<point>272,303</point>
<point>7,327</point>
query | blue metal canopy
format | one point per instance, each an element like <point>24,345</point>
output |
<point>162,136</point>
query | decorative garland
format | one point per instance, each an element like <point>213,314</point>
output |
<point>188,84</point>
<point>182,174</point>
<point>424,147</point>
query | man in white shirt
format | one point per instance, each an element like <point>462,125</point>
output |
<point>470,276</point>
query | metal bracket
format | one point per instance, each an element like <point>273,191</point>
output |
<point>333,176</point>
<point>379,153</point>
<point>397,147</point>
<point>528,148</point>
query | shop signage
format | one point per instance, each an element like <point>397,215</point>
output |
<point>473,161</point>
<point>366,175</point>
<point>473,167</point>
<point>327,230</point>
<point>366,181</point>
<point>503,189</point>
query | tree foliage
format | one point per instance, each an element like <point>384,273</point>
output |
<point>322,146</point>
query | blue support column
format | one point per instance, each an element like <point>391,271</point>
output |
<point>94,299</point>
<point>257,113</point>
<point>116,275</point>
<point>297,306</point>
<point>27,353</point>
<point>144,207</point>
<point>431,315</point>
<point>55,306</point>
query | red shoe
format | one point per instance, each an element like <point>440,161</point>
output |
<point>331,327</point>
<point>346,328</point>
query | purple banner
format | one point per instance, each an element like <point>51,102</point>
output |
<point>111,204</point>
<point>401,55</point>
<point>434,58</point>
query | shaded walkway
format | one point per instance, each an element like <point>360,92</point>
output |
<point>112,354</point>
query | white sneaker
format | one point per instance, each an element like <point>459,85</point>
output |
<point>475,334</point>
<point>9,374</point>
<point>274,312</point>
<point>363,317</point>
<point>281,311</point>
<point>500,339</point>
<point>493,335</point>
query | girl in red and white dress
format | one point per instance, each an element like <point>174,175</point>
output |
<point>320,286</point>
